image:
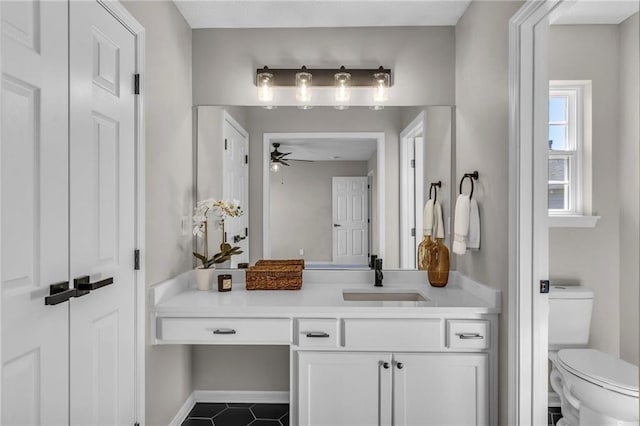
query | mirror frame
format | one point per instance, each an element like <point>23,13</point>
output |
<point>268,139</point>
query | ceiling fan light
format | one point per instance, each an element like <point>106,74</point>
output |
<point>275,166</point>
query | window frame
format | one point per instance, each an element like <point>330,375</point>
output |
<point>574,147</point>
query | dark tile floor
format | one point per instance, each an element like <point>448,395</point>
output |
<point>229,414</point>
<point>554,415</point>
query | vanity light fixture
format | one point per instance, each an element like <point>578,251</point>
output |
<point>341,79</point>
<point>303,85</point>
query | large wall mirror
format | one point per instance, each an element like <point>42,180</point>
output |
<point>328,186</point>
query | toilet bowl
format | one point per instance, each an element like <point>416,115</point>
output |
<point>595,388</point>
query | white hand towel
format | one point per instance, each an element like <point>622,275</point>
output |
<point>427,218</point>
<point>474,226</point>
<point>461,224</point>
<point>439,221</point>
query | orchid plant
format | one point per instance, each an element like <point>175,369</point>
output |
<point>216,211</point>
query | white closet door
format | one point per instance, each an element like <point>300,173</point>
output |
<point>235,177</point>
<point>102,212</point>
<point>34,212</point>
<point>350,220</point>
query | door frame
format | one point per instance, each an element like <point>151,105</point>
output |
<point>268,138</point>
<point>132,25</point>
<point>407,193</point>
<point>528,215</point>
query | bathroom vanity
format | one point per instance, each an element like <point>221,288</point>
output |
<point>402,354</point>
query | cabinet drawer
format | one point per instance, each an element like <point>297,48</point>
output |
<point>393,334</point>
<point>226,330</point>
<point>317,333</point>
<point>467,334</point>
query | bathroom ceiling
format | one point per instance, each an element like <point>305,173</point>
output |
<point>328,149</point>
<point>583,12</point>
<point>320,13</point>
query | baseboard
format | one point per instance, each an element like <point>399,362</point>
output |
<point>260,397</point>
<point>183,411</point>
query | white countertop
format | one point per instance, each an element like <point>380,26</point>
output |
<point>321,295</point>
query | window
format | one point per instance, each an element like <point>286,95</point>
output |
<point>565,150</point>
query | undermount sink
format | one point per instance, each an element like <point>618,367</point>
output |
<point>349,296</point>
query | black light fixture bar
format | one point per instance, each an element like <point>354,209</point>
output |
<point>323,77</point>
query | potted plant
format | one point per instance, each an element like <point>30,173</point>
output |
<point>214,211</point>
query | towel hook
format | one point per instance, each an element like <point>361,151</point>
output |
<point>435,185</point>
<point>471,176</point>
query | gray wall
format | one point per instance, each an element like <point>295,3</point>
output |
<point>422,59</point>
<point>302,208</point>
<point>629,188</point>
<point>482,123</point>
<point>168,103</point>
<point>590,256</point>
<point>325,120</point>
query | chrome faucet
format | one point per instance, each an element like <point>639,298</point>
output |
<point>378,273</point>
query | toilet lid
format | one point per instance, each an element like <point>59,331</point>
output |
<point>601,369</point>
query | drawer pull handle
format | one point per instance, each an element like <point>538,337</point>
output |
<point>318,334</point>
<point>469,336</point>
<point>224,331</point>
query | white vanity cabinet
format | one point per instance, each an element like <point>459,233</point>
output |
<point>403,389</point>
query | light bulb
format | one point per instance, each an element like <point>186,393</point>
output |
<point>275,166</point>
<point>381,89</point>
<point>265,86</point>
<point>303,85</point>
<point>342,85</point>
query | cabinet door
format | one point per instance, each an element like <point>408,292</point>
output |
<point>344,389</point>
<point>102,216</point>
<point>34,227</point>
<point>440,389</point>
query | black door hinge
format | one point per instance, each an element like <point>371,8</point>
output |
<point>225,144</point>
<point>136,259</point>
<point>544,286</point>
<point>136,84</point>
<point>413,232</point>
<point>246,232</point>
<point>246,159</point>
<point>413,164</point>
<point>136,424</point>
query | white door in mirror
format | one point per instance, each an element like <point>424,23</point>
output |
<point>350,220</point>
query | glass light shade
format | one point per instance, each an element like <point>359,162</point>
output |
<point>303,85</point>
<point>381,89</point>
<point>265,86</point>
<point>275,166</point>
<point>342,83</point>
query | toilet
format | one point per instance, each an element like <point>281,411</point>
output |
<point>595,388</point>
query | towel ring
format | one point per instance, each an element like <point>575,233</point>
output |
<point>471,176</point>
<point>435,185</point>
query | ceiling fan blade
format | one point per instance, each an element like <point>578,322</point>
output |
<point>308,161</point>
<point>284,163</point>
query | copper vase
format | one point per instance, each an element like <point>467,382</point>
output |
<point>438,272</point>
<point>424,252</point>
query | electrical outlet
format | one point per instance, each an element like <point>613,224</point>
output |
<point>185,225</point>
<point>301,252</point>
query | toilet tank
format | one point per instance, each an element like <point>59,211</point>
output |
<point>569,316</point>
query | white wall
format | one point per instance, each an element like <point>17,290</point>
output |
<point>168,103</point>
<point>421,59</point>
<point>629,188</point>
<point>482,119</point>
<point>283,120</point>
<point>301,208</point>
<point>590,256</point>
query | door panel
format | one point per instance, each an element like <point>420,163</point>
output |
<point>344,389</point>
<point>34,228</point>
<point>235,178</point>
<point>431,389</point>
<point>350,220</point>
<point>102,212</point>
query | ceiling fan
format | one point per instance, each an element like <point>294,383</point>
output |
<point>278,158</point>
